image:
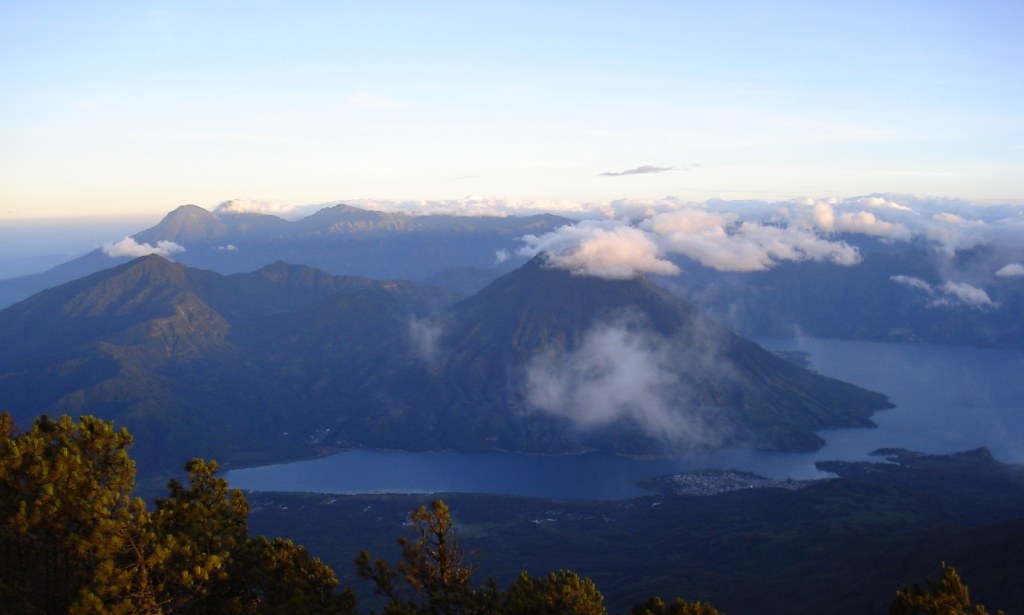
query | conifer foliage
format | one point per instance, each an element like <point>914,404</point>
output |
<point>946,596</point>
<point>433,578</point>
<point>74,540</point>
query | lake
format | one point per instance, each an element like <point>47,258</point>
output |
<point>947,399</point>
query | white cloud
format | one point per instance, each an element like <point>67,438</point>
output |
<point>913,282</point>
<point>501,256</point>
<point>648,168</point>
<point>474,205</point>
<point>796,244</point>
<point>953,232</point>
<point>867,223</point>
<point>618,373</point>
<point>908,215</point>
<point>964,293</point>
<point>723,242</point>
<point>949,293</point>
<point>425,338</point>
<point>254,206</point>
<point>607,249</point>
<point>1013,269</point>
<point>882,202</point>
<point>949,218</point>
<point>949,223</point>
<point>130,248</point>
<point>825,216</point>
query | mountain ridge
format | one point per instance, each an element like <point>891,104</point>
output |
<point>288,361</point>
<point>340,239</point>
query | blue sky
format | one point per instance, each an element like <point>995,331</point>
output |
<point>135,108</point>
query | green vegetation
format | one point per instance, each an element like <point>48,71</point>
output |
<point>947,596</point>
<point>73,539</point>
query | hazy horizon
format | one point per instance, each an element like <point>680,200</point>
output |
<point>626,236</point>
<point>134,109</point>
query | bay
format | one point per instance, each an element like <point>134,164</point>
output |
<point>948,399</point>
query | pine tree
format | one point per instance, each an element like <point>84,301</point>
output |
<point>657,606</point>
<point>432,576</point>
<point>562,592</point>
<point>947,596</point>
<point>65,494</point>
<point>73,540</point>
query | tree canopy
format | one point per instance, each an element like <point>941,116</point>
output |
<point>73,539</point>
<point>946,596</point>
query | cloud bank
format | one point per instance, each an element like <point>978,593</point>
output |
<point>625,237</point>
<point>616,249</point>
<point>130,248</point>
<point>758,235</point>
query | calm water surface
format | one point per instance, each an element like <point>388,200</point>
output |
<point>948,399</point>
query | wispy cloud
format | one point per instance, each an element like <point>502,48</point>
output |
<point>647,168</point>
<point>913,282</point>
<point>622,373</point>
<point>963,293</point>
<point>949,293</point>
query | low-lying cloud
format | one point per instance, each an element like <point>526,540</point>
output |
<point>255,206</point>
<point>724,242</point>
<point>616,249</point>
<point>1011,270</point>
<point>964,293</point>
<point>425,337</point>
<point>130,248</point>
<point>949,293</point>
<point>618,374</point>
<point>859,222</point>
<point>603,249</point>
<point>951,223</point>
<point>624,237</point>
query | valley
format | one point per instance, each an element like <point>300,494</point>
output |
<point>202,364</point>
<point>571,419</point>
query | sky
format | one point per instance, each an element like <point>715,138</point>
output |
<point>134,108</point>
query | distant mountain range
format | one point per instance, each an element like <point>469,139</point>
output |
<point>906,291</point>
<point>290,361</point>
<point>341,240</point>
<point>898,293</point>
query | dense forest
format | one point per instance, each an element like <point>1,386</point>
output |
<point>74,539</point>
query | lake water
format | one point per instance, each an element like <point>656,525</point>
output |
<point>947,399</point>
